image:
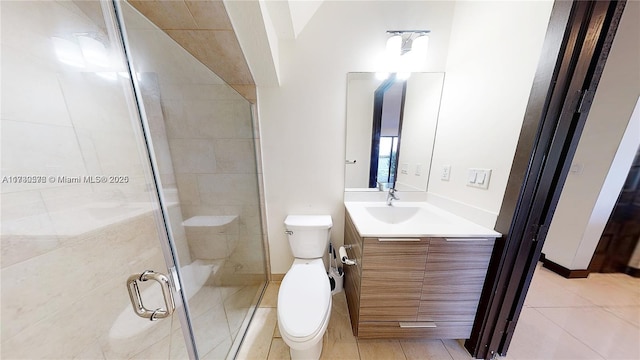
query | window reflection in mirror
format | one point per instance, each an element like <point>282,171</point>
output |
<point>371,160</point>
<point>386,129</point>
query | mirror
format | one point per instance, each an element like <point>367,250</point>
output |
<point>391,127</point>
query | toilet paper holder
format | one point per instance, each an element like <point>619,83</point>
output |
<point>343,255</point>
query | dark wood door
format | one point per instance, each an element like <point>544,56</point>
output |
<point>622,231</point>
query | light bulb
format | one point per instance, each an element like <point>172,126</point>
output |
<point>394,44</point>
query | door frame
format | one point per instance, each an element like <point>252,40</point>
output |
<point>166,241</point>
<point>378,105</point>
<point>576,46</point>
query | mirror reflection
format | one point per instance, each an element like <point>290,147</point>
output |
<point>391,127</point>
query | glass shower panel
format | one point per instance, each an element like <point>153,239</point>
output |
<point>80,211</point>
<point>204,144</point>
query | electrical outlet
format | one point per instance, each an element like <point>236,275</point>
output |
<point>446,173</point>
<point>418,169</point>
<point>404,168</point>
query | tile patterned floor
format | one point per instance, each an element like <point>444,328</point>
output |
<point>593,318</point>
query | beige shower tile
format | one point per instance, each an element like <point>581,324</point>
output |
<point>166,14</point>
<point>188,189</point>
<point>210,91</point>
<point>235,156</point>
<point>227,189</point>
<point>193,156</point>
<point>30,81</point>
<point>19,248</point>
<point>209,14</point>
<point>380,350</point>
<point>217,50</point>
<point>248,91</point>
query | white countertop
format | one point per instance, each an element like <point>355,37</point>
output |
<point>427,221</point>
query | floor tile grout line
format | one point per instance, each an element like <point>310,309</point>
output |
<point>606,308</point>
<point>572,335</point>
<point>446,348</point>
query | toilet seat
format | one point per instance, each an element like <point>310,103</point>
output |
<point>305,293</point>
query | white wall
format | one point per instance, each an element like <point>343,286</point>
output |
<point>421,107</point>
<point>303,120</point>
<point>490,62</point>
<point>601,162</point>
<point>361,88</point>
<point>493,54</point>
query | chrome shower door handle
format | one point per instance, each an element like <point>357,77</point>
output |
<point>136,298</point>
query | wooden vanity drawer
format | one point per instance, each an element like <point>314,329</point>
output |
<point>464,284</point>
<point>394,254</point>
<point>377,293</point>
<point>389,313</point>
<point>393,329</point>
<point>447,310</point>
<point>455,255</point>
<point>414,287</point>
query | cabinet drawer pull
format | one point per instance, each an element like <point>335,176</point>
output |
<point>398,239</point>
<point>466,239</point>
<point>423,324</point>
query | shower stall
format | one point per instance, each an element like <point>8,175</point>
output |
<point>124,160</point>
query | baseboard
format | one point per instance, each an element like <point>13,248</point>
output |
<point>563,271</point>
<point>277,277</point>
<point>632,272</point>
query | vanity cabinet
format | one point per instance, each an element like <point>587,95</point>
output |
<point>414,287</point>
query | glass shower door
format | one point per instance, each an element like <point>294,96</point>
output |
<point>80,206</point>
<point>203,140</point>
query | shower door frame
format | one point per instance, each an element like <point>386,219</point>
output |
<point>114,18</point>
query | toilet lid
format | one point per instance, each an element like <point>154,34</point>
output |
<point>304,298</point>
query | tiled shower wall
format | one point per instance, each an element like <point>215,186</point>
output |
<point>66,247</point>
<point>211,141</point>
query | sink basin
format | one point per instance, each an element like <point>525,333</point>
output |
<point>411,219</point>
<point>392,214</point>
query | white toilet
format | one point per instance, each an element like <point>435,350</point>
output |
<point>304,299</point>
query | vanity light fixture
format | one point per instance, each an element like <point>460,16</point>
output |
<point>405,51</point>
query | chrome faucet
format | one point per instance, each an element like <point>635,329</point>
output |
<point>391,196</point>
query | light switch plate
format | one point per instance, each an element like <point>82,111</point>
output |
<point>479,178</point>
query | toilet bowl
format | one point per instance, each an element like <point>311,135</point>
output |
<point>304,298</point>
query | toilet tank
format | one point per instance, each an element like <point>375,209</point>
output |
<point>308,235</point>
